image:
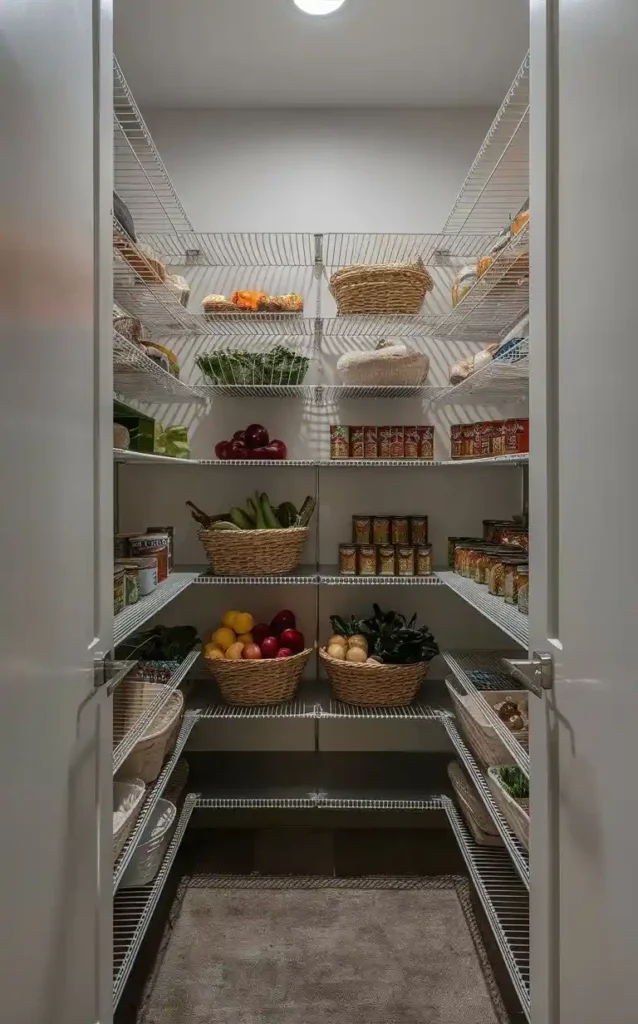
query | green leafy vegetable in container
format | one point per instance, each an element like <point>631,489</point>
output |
<point>391,638</point>
<point>280,365</point>
<point>514,781</point>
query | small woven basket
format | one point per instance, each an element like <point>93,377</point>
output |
<point>374,685</point>
<point>263,681</point>
<point>472,808</point>
<point>147,757</point>
<point>483,740</point>
<point>381,288</point>
<point>253,552</point>
<point>133,790</point>
<point>515,811</point>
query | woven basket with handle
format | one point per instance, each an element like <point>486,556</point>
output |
<point>381,288</point>
<point>147,757</point>
<point>482,739</point>
<point>472,808</point>
<point>374,685</point>
<point>254,552</point>
<point>263,681</point>
<point>515,811</point>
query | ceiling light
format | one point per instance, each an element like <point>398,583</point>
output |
<point>319,6</point>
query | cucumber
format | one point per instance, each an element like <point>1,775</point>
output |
<point>252,511</point>
<point>306,511</point>
<point>239,517</point>
<point>220,525</point>
<point>272,523</point>
<point>287,514</point>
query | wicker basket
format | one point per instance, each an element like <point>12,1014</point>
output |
<point>472,809</point>
<point>254,552</point>
<point>263,681</point>
<point>515,811</point>
<point>381,288</point>
<point>152,847</point>
<point>374,685</point>
<point>483,739</point>
<point>148,755</point>
<point>146,265</point>
<point>131,791</point>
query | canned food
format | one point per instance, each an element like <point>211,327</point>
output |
<point>516,437</point>
<point>492,529</point>
<point>380,529</point>
<point>339,442</point>
<point>424,560</point>
<point>456,441</point>
<point>411,442</point>
<point>482,440</point>
<point>120,545</point>
<point>452,544</point>
<point>461,555</point>
<point>523,589</point>
<point>510,583</point>
<point>483,562</point>
<point>170,531</point>
<point>468,440</point>
<point>387,560</point>
<point>367,560</point>
<point>400,530</point>
<point>131,583</point>
<point>418,530</point>
<point>356,443</point>
<point>516,537</point>
<point>385,442</point>
<point>496,576</point>
<point>152,544</point>
<point>397,443</point>
<point>119,591</point>
<point>370,442</point>
<point>347,560</point>
<point>426,442</point>
<point>362,529</point>
<point>497,442</point>
<point>405,560</point>
<point>147,574</point>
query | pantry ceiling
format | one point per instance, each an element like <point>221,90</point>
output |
<point>372,53</point>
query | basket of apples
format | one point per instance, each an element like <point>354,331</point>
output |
<point>251,443</point>
<point>255,663</point>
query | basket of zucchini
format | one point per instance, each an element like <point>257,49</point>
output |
<point>261,539</point>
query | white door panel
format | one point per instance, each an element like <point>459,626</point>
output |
<point>583,500</point>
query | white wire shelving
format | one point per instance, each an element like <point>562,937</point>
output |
<point>503,898</point>
<point>140,177</point>
<point>515,848</point>
<point>305,392</point>
<point>324,707</point>
<point>132,715</point>
<point>504,380</point>
<point>151,800</point>
<point>135,615</point>
<point>330,576</point>
<point>342,249</point>
<point>135,375</point>
<point>303,575</point>
<point>496,460</point>
<point>134,908</point>
<point>497,184</point>
<point>235,248</point>
<point>288,800</point>
<point>485,670</point>
<point>505,616</point>
<point>146,459</point>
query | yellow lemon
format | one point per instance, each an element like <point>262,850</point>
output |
<point>213,652</point>
<point>223,638</point>
<point>243,623</point>
<point>245,638</point>
<point>234,652</point>
<point>228,619</point>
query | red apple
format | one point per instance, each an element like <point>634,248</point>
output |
<point>293,639</point>
<point>260,631</point>
<point>269,647</point>
<point>251,652</point>
<point>256,436</point>
<point>221,449</point>
<point>284,652</point>
<point>283,620</point>
<point>240,435</point>
<point>278,449</point>
<point>236,450</point>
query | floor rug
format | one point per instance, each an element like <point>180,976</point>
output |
<point>256,950</point>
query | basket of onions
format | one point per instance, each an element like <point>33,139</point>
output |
<point>381,661</point>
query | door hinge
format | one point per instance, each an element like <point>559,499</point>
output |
<point>536,675</point>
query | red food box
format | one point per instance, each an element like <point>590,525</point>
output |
<point>516,437</point>
<point>426,442</point>
<point>456,441</point>
<point>497,441</point>
<point>370,442</point>
<point>397,443</point>
<point>385,442</point>
<point>411,442</point>
<point>356,442</point>
<point>483,440</point>
<point>468,442</point>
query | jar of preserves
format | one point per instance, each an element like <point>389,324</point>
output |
<point>484,561</point>
<point>496,576</point>
<point>119,592</point>
<point>362,529</point>
<point>356,443</point>
<point>453,542</point>
<point>400,530</point>
<point>510,581</point>
<point>471,561</point>
<point>424,560</point>
<point>380,529</point>
<point>418,530</point>
<point>461,554</point>
<point>523,589</point>
<point>155,544</point>
<point>347,560</point>
<point>367,560</point>
<point>387,560</point>
<point>405,560</point>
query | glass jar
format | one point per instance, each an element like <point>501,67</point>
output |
<point>483,562</point>
<point>510,582</point>
<point>496,576</point>
<point>471,562</point>
<point>131,582</point>
<point>523,589</point>
<point>119,599</point>
<point>461,552</point>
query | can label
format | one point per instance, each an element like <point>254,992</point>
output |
<point>426,442</point>
<point>356,443</point>
<point>400,530</point>
<point>361,529</point>
<point>347,560</point>
<point>405,561</point>
<point>497,441</point>
<point>515,437</point>
<point>424,560</point>
<point>397,443</point>
<point>367,560</point>
<point>381,530</point>
<point>456,441</point>
<point>483,440</point>
<point>467,446</point>
<point>370,442</point>
<point>411,442</point>
<point>387,560</point>
<point>339,442</point>
<point>418,530</point>
<point>385,442</point>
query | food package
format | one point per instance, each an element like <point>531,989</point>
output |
<point>157,355</point>
<point>219,304</point>
<point>520,222</point>
<point>128,327</point>
<point>250,302</point>
<point>177,442</point>
<point>173,365</point>
<point>484,357</point>
<point>391,363</point>
<point>180,287</point>
<point>291,303</point>
<point>460,370</point>
<point>465,279</point>
<point>121,437</point>
<point>123,216</point>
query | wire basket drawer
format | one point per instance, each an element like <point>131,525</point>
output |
<point>148,857</point>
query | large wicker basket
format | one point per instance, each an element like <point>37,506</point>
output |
<point>374,685</point>
<point>472,808</point>
<point>254,552</point>
<point>381,288</point>
<point>147,757</point>
<point>515,811</point>
<point>263,681</point>
<point>482,739</point>
<point>129,792</point>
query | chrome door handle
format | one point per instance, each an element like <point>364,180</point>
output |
<point>536,675</point>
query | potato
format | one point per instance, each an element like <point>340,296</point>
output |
<point>356,654</point>
<point>337,651</point>
<point>358,641</point>
<point>337,640</point>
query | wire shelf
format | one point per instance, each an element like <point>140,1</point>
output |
<point>140,177</point>
<point>260,463</point>
<point>496,460</point>
<point>135,375</point>
<point>305,392</point>
<point>485,670</point>
<point>504,900</point>
<point>339,392</point>
<point>141,293</point>
<point>497,184</point>
<point>505,616</point>
<point>498,301</point>
<point>292,709</point>
<point>369,803</point>
<point>404,713</point>
<point>329,576</point>
<point>234,249</point>
<point>135,615</point>
<point>303,575</point>
<point>152,797</point>
<point>125,735</point>
<point>123,455</point>
<point>239,325</point>
<point>407,325</point>
<point>435,250</point>
<point>146,459</point>
<point>241,803</point>
<point>502,380</point>
<point>134,908</point>
<point>515,848</point>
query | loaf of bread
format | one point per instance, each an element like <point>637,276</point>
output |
<point>218,304</point>
<point>391,363</point>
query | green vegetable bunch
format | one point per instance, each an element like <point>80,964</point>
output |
<point>278,366</point>
<point>163,643</point>
<point>514,781</point>
<point>391,638</point>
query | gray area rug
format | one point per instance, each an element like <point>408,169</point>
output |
<point>323,951</point>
